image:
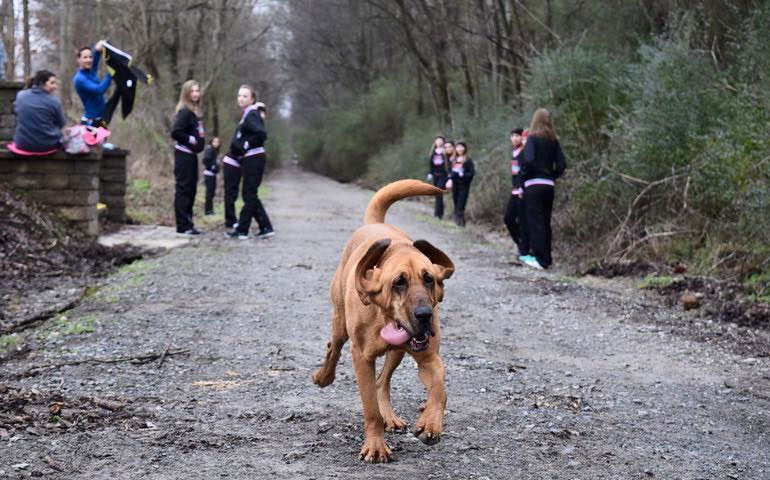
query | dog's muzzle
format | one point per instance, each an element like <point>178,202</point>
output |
<point>423,321</point>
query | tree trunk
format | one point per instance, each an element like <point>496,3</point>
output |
<point>173,51</point>
<point>27,54</point>
<point>420,103</point>
<point>65,61</point>
<point>9,37</point>
<point>214,115</point>
<point>468,82</point>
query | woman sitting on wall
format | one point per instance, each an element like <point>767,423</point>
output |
<point>39,116</point>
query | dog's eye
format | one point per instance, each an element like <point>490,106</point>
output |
<point>400,282</point>
<point>428,279</point>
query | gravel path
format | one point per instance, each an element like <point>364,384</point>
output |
<point>546,377</point>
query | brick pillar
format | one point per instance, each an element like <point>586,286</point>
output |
<point>112,184</point>
<point>8,91</point>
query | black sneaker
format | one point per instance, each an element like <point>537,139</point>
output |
<point>191,231</point>
<point>237,234</point>
<point>266,233</point>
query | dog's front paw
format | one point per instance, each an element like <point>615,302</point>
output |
<point>375,450</point>
<point>428,431</point>
<point>394,424</point>
<point>323,378</point>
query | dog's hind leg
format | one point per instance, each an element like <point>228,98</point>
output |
<point>431,422</point>
<point>325,375</point>
<point>392,421</point>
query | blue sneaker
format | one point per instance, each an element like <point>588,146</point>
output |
<point>531,261</point>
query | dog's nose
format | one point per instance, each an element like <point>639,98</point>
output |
<point>423,314</point>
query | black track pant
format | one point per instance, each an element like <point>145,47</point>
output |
<point>440,182</point>
<point>211,189</point>
<point>253,167</point>
<point>232,178</point>
<point>186,174</point>
<point>460,198</point>
<point>538,202</point>
<point>516,222</point>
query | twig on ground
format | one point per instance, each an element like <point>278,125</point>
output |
<point>44,315</point>
<point>136,359</point>
<point>165,351</point>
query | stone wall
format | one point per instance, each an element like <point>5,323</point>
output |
<point>112,184</point>
<point>71,184</point>
<point>68,183</point>
<point>8,91</point>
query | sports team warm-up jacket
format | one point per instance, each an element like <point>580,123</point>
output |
<point>250,134</point>
<point>125,78</point>
<point>187,131</point>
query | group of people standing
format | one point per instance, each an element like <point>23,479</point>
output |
<point>450,168</point>
<point>243,165</point>
<point>537,161</point>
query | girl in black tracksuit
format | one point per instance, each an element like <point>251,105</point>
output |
<point>248,145</point>
<point>461,174</point>
<point>542,164</point>
<point>515,214</point>
<point>189,135</point>
<point>210,169</point>
<point>437,172</point>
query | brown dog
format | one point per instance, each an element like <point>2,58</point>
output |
<point>385,296</point>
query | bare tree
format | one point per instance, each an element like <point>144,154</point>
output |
<point>8,25</point>
<point>26,49</point>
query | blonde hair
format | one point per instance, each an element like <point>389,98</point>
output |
<point>433,145</point>
<point>185,99</point>
<point>541,125</point>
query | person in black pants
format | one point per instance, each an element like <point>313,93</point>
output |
<point>189,135</point>
<point>437,172</point>
<point>515,213</point>
<point>210,169</point>
<point>248,142</point>
<point>461,176</point>
<point>232,173</point>
<point>542,164</point>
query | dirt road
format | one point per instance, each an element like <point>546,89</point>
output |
<point>546,377</point>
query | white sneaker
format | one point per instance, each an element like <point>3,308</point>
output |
<point>236,234</point>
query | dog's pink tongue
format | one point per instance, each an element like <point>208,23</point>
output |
<point>394,335</point>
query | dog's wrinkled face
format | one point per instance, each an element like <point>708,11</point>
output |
<point>406,282</point>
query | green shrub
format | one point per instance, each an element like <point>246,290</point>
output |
<point>341,142</point>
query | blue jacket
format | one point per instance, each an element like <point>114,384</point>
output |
<point>91,89</point>
<point>39,120</point>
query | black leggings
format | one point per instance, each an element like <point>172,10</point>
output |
<point>538,202</point>
<point>460,198</point>
<point>186,175</point>
<point>253,167</point>
<point>211,188</point>
<point>232,178</point>
<point>516,222</point>
<point>440,182</point>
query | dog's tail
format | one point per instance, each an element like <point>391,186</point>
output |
<point>393,192</point>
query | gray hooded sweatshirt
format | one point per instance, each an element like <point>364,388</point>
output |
<point>39,120</point>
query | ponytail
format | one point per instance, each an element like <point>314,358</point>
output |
<point>39,79</point>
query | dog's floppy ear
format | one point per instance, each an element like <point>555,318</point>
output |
<point>367,278</point>
<point>439,258</point>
